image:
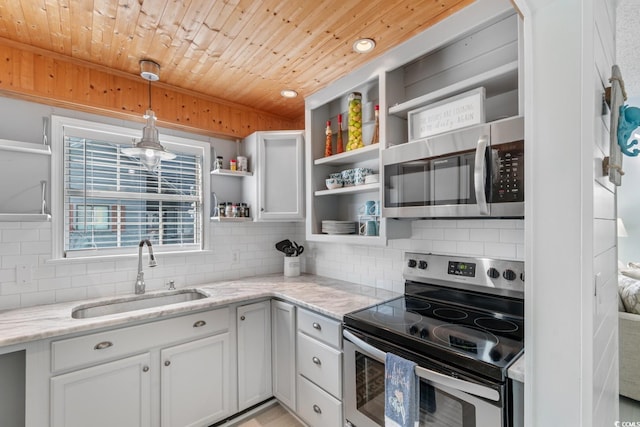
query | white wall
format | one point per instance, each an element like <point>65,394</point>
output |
<point>571,327</point>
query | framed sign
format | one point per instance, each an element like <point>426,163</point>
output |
<point>465,109</point>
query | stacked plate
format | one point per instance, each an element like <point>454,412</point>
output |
<point>338,227</point>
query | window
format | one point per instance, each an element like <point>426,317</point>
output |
<point>110,201</point>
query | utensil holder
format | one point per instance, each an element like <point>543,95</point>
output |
<point>291,266</point>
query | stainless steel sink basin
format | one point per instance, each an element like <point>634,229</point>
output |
<point>139,302</point>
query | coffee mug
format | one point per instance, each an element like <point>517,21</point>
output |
<point>369,228</point>
<point>370,207</point>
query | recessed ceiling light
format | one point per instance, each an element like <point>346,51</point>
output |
<point>288,93</point>
<point>364,45</point>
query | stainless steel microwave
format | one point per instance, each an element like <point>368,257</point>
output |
<point>470,173</point>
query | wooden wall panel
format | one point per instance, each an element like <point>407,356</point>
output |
<point>36,75</point>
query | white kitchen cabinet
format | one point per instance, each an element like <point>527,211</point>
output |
<point>170,372</point>
<point>254,353</point>
<point>283,345</point>
<point>319,367</point>
<point>112,394</point>
<point>195,379</point>
<point>276,189</point>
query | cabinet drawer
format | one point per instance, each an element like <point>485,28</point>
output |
<point>317,407</point>
<point>320,364</point>
<point>321,328</point>
<point>94,348</point>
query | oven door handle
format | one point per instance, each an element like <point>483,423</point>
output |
<point>480,175</point>
<point>428,374</point>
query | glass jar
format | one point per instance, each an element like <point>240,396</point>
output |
<point>228,212</point>
<point>355,122</point>
<point>233,165</point>
<point>218,163</point>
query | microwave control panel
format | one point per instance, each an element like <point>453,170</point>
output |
<point>508,182</point>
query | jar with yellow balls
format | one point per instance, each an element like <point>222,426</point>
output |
<point>355,122</point>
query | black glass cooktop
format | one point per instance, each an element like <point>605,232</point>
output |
<point>477,339</point>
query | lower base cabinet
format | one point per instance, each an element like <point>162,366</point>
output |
<point>202,369</point>
<point>113,394</point>
<point>316,407</point>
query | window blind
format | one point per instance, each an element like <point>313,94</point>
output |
<point>112,201</point>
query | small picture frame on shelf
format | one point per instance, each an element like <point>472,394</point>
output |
<point>465,109</point>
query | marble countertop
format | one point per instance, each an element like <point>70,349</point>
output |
<point>516,370</point>
<point>331,297</point>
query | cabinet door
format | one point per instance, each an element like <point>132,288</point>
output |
<point>284,352</point>
<point>195,380</point>
<point>281,179</point>
<point>254,354</point>
<point>112,394</point>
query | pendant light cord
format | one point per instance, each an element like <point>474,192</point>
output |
<point>150,95</point>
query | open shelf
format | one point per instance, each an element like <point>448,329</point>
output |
<point>231,219</point>
<point>364,188</point>
<point>19,217</point>
<point>25,147</point>
<point>492,80</point>
<point>367,152</point>
<point>229,172</point>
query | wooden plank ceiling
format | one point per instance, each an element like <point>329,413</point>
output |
<point>242,51</point>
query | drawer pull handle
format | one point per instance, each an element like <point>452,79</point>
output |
<point>317,409</point>
<point>199,323</point>
<point>167,362</point>
<point>317,326</point>
<point>316,361</point>
<point>242,317</point>
<point>145,369</point>
<point>102,345</point>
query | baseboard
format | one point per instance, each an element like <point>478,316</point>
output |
<point>247,413</point>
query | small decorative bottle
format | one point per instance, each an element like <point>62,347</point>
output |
<point>339,143</point>
<point>327,144</point>
<point>376,129</point>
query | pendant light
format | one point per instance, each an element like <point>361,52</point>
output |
<point>149,150</point>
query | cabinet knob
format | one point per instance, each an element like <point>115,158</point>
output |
<point>242,317</point>
<point>261,209</point>
<point>145,369</point>
<point>199,324</point>
<point>316,361</point>
<point>102,345</point>
<point>317,326</point>
<point>167,362</point>
<point>317,409</point>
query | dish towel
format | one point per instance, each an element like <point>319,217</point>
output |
<point>401,390</point>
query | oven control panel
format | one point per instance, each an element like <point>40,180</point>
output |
<point>482,274</point>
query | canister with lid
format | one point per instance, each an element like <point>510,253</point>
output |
<point>355,122</point>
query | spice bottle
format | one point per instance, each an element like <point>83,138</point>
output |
<point>355,121</point>
<point>339,143</point>
<point>327,144</point>
<point>233,165</point>
<point>376,129</point>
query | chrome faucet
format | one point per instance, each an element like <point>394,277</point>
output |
<point>152,263</point>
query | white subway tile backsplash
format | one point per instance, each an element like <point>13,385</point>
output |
<point>379,266</point>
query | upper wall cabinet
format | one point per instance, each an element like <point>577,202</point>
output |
<point>477,47</point>
<point>275,191</point>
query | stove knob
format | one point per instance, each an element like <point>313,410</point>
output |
<point>495,355</point>
<point>522,276</point>
<point>412,263</point>
<point>509,275</point>
<point>493,273</point>
<point>413,330</point>
<point>422,265</point>
<point>424,333</point>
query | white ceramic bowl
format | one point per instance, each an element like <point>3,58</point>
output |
<point>372,179</point>
<point>333,183</point>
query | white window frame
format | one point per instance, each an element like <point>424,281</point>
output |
<point>106,132</point>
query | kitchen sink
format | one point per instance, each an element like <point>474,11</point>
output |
<point>139,302</point>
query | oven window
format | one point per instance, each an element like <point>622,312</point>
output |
<point>437,407</point>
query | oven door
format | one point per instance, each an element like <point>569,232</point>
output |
<point>444,400</point>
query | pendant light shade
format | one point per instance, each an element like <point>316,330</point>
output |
<point>149,150</point>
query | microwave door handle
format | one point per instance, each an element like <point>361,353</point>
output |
<point>427,374</point>
<point>480,175</point>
